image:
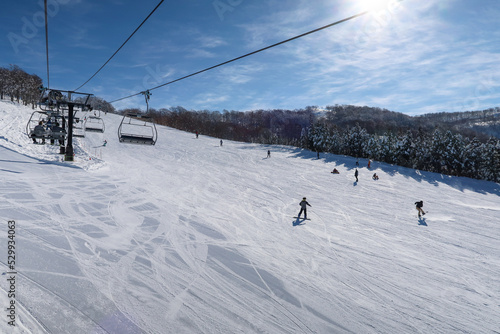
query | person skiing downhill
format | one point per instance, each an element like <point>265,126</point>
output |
<point>356,175</point>
<point>418,206</point>
<point>303,208</point>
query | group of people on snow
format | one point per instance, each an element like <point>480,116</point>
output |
<point>303,204</point>
<point>356,174</point>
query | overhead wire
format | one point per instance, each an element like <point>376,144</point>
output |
<point>249,54</point>
<point>47,43</point>
<point>144,21</point>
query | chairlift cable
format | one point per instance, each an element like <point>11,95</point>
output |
<point>121,45</point>
<point>249,54</point>
<point>47,43</point>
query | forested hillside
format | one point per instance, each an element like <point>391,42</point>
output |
<point>430,142</point>
<point>485,122</point>
<point>26,88</point>
<point>19,85</point>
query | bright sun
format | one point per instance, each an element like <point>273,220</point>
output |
<point>373,5</point>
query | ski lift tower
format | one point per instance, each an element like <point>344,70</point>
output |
<point>61,100</point>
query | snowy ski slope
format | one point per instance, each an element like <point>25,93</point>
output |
<point>191,237</point>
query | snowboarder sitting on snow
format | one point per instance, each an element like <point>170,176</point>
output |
<point>303,208</point>
<point>335,171</point>
<point>419,206</point>
<point>375,176</point>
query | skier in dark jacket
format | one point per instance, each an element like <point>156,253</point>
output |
<point>419,206</point>
<point>303,208</point>
<point>38,132</point>
<point>356,175</point>
<point>57,133</point>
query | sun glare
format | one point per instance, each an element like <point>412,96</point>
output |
<point>374,5</point>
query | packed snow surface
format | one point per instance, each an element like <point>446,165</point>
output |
<point>189,236</point>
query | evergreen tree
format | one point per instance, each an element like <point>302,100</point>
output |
<point>357,138</point>
<point>404,150</point>
<point>472,158</point>
<point>490,166</point>
<point>388,147</point>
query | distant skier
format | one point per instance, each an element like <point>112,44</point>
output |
<point>369,163</point>
<point>375,176</point>
<point>303,208</point>
<point>268,153</point>
<point>419,206</point>
<point>105,142</point>
<point>356,174</point>
<point>221,142</point>
<point>197,134</point>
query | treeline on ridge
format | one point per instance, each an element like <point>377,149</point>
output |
<point>24,88</point>
<point>429,142</point>
<point>19,85</point>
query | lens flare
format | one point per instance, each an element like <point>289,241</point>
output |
<point>374,5</point>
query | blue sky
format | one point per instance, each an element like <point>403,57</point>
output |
<point>413,57</point>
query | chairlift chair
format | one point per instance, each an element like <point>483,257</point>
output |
<point>42,133</point>
<point>34,120</point>
<point>47,118</point>
<point>78,128</point>
<point>94,123</point>
<point>56,99</point>
<point>138,129</point>
<point>51,99</point>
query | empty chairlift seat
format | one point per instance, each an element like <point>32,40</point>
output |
<point>94,124</point>
<point>137,129</point>
<point>78,128</point>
